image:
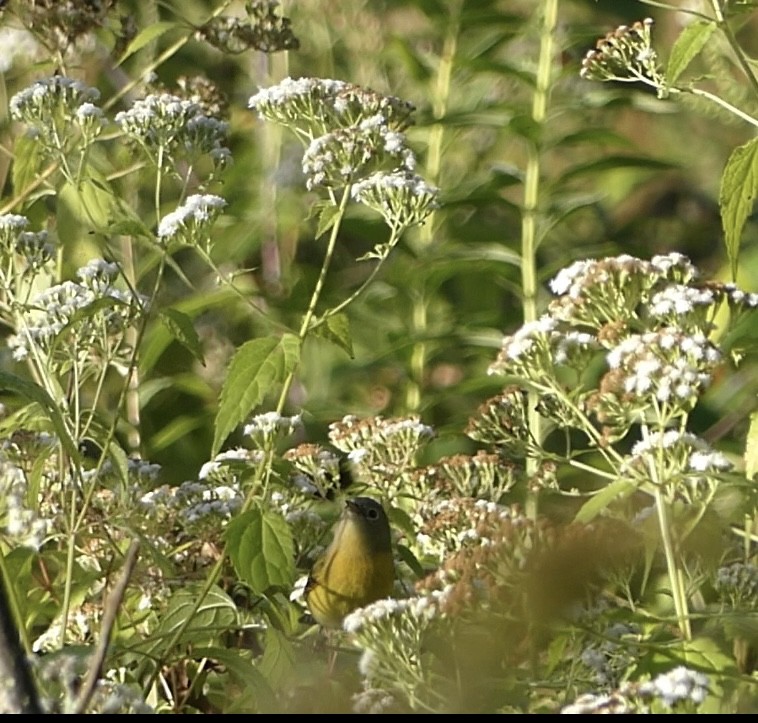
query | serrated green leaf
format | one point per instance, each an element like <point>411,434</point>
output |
<point>216,614</point>
<point>258,366</point>
<point>150,33</point>
<point>336,328</point>
<point>27,162</point>
<point>37,394</point>
<point>689,43</point>
<point>180,326</point>
<point>739,185</point>
<point>597,503</point>
<point>751,447</point>
<point>262,550</point>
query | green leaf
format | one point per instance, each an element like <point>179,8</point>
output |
<point>751,447</point>
<point>256,692</point>
<point>180,326</point>
<point>216,615</point>
<point>597,503</point>
<point>257,367</point>
<point>150,33</point>
<point>37,394</point>
<point>336,328</point>
<point>612,163</point>
<point>739,185</point>
<point>689,43</point>
<point>27,162</point>
<point>262,550</point>
<point>327,216</point>
<point>278,660</point>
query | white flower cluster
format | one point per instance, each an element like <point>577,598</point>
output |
<point>687,466</point>
<point>677,686</point>
<point>79,308</point>
<point>33,248</point>
<point>195,501</point>
<point>402,198</point>
<point>166,124</point>
<point>271,425</point>
<point>190,220</point>
<point>353,136</point>
<point>421,608</point>
<point>538,346</point>
<point>626,55</point>
<point>38,104</point>
<point>668,365</point>
<point>318,105</point>
<point>338,158</point>
<point>380,448</point>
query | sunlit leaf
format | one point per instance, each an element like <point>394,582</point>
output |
<point>739,185</point>
<point>262,550</point>
<point>258,367</point>
<point>689,43</point>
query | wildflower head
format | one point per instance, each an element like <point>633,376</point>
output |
<point>262,30</point>
<point>190,222</point>
<point>402,198</point>
<point>315,106</point>
<point>625,54</point>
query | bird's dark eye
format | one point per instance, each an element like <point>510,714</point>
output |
<point>372,514</point>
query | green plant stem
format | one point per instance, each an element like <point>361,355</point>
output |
<point>718,101</point>
<point>530,214</point>
<point>440,101</point>
<point>675,578</point>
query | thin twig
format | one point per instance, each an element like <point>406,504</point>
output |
<point>110,611</point>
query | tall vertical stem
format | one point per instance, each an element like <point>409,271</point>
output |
<point>530,214</point>
<point>440,99</point>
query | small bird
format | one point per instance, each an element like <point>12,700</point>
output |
<point>356,568</point>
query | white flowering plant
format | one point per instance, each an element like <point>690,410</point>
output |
<point>233,300</point>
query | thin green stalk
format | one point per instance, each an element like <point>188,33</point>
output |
<point>675,578</point>
<point>440,101</point>
<point>530,213</point>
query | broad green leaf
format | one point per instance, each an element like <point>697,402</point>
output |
<point>27,162</point>
<point>739,185</point>
<point>257,368</point>
<point>216,614</point>
<point>689,43</point>
<point>751,447</point>
<point>262,550</point>
<point>150,33</point>
<point>180,326</point>
<point>336,328</point>
<point>37,394</point>
<point>597,503</point>
<point>278,660</point>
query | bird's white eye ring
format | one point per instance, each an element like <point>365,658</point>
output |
<point>372,514</point>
